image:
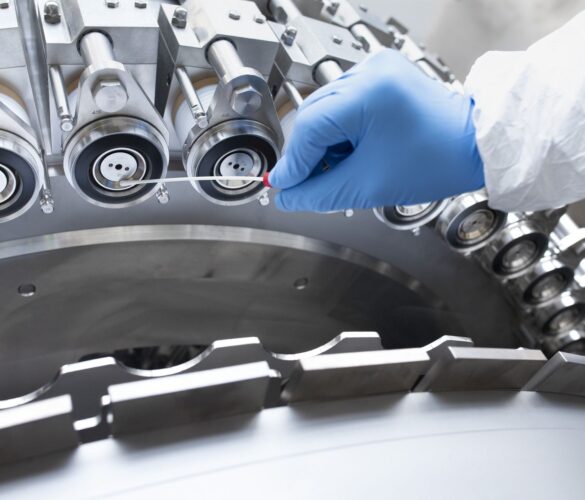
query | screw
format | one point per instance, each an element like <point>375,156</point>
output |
<point>52,12</point>
<point>47,202</point>
<point>357,45</point>
<point>112,4</point>
<point>246,100</point>
<point>235,15</point>
<point>110,95</point>
<point>337,40</point>
<point>4,4</point>
<point>289,35</point>
<point>66,124</point>
<point>180,18</point>
<point>141,4</point>
<point>264,200</point>
<point>259,19</point>
<point>333,7</point>
<point>162,195</point>
<point>363,8</point>
<point>201,119</point>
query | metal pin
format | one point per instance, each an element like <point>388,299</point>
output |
<point>60,96</point>
<point>192,98</point>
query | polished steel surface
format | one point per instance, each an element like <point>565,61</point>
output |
<point>197,396</point>
<point>102,290</point>
<point>36,429</point>
<point>464,368</point>
<point>339,376</point>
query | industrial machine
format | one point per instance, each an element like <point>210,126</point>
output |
<point>196,320</point>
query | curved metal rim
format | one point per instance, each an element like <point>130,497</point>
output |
<point>432,214</point>
<point>195,150</point>
<point>459,205</point>
<point>104,126</point>
<point>27,151</point>
<point>126,234</point>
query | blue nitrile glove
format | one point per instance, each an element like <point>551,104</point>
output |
<point>391,135</point>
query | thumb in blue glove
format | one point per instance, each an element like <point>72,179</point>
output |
<point>406,140</point>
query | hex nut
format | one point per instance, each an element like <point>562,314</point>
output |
<point>110,95</point>
<point>246,100</point>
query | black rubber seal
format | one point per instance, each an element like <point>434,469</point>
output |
<point>452,231</point>
<point>566,275</point>
<point>83,167</point>
<point>26,179</point>
<point>223,148</point>
<point>580,308</point>
<point>539,239</point>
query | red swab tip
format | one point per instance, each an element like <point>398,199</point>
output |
<point>265,180</point>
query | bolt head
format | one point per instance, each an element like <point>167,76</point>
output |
<point>264,200</point>
<point>235,15</point>
<point>52,12</point>
<point>163,196</point>
<point>141,4</point>
<point>110,95</point>
<point>4,4</point>
<point>337,40</point>
<point>260,19</point>
<point>246,100</point>
<point>66,124</point>
<point>180,18</point>
<point>289,35</point>
<point>112,4</point>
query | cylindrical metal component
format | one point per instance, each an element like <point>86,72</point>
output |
<point>191,97</point>
<point>565,227</point>
<point>365,36</point>
<point>572,342</point>
<point>284,10</point>
<point>546,281</point>
<point>224,59</point>
<point>326,72</point>
<point>561,315</point>
<point>468,223</point>
<point>60,96</point>
<point>293,94</point>
<point>411,217</point>
<point>96,49</point>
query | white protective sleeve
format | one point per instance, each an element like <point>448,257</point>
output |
<point>530,120</point>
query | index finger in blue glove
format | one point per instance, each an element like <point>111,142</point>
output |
<point>318,127</point>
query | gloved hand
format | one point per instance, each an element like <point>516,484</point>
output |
<point>391,135</point>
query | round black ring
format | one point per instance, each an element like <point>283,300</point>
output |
<point>392,215</point>
<point>453,230</point>
<point>26,179</point>
<point>566,274</point>
<point>579,307</point>
<point>539,239</point>
<point>224,147</point>
<point>83,166</point>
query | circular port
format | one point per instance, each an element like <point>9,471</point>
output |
<point>467,223</point>
<point>410,217</point>
<point>233,148</point>
<point>103,154</point>
<point>516,249</point>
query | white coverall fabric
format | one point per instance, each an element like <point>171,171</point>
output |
<point>530,121</point>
